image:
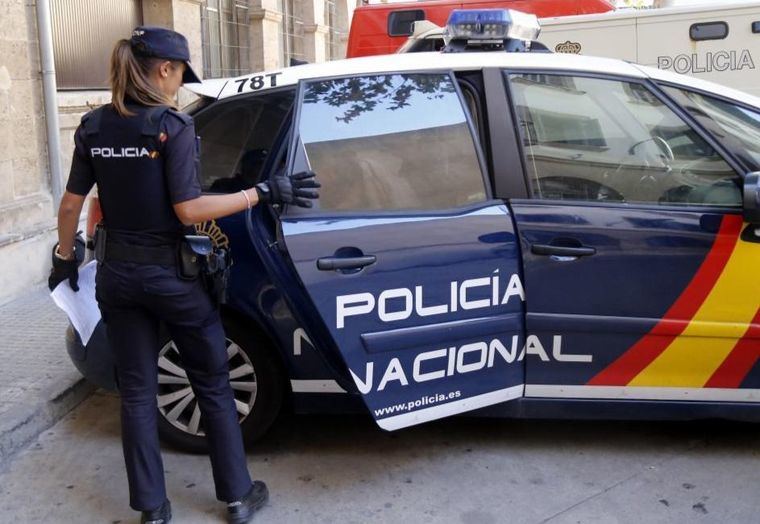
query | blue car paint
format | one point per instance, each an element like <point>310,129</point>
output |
<point>602,304</point>
<point>295,309</point>
<point>752,380</point>
<point>422,255</point>
<point>254,295</point>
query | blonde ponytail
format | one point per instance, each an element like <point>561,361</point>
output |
<point>130,76</point>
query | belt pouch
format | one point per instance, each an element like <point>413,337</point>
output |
<point>99,240</point>
<point>193,250</point>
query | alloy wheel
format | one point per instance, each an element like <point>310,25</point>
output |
<point>176,400</point>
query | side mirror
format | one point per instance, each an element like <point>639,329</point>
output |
<point>752,198</point>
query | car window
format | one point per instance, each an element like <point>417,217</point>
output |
<point>236,138</point>
<point>726,121</point>
<point>606,140</point>
<point>388,142</point>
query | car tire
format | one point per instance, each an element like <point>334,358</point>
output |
<point>259,390</point>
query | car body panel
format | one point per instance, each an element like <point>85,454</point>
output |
<point>417,343</point>
<point>658,305</point>
<point>448,345</point>
<point>257,298</point>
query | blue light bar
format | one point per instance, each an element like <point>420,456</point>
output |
<point>491,24</point>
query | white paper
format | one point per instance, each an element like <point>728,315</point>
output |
<point>80,306</point>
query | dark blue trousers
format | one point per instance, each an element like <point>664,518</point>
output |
<point>134,299</point>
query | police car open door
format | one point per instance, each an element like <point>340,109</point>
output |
<point>411,267</point>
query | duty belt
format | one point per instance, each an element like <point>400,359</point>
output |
<point>163,255</point>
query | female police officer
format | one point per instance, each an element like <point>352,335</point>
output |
<point>141,153</point>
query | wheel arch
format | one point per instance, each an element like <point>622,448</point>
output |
<point>255,327</point>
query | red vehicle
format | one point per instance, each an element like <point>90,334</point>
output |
<point>381,28</point>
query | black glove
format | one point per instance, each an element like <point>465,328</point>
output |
<point>67,269</point>
<point>299,189</point>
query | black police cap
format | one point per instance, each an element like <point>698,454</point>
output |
<point>164,43</point>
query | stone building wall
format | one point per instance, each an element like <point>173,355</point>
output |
<point>266,20</point>
<point>26,207</point>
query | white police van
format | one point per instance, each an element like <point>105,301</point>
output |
<point>719,42</point>
<point>514,233</point>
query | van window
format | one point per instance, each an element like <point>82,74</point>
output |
<point>400,23</point>
<point>606,140</point>
<point>389,142</point>
<point>730,123</point>
<point>708,31</point>
<point>236,137</point>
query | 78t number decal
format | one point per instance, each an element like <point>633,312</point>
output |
<point>257,82</point>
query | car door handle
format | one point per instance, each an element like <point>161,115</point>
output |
<point>562,251</point>
<point>336,263</point>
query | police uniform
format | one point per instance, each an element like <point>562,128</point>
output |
<point>143,165</point>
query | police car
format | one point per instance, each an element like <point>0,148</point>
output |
<point>519,234</point>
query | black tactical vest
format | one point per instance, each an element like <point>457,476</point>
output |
<point>127,159</point>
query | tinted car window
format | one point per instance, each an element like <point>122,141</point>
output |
<point>597,139</point>
<point>727,121</point>
<point>390,142</point>
<point>236,137</point>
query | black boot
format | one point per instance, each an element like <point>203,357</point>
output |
<point>160,515</point>
<point>241,511</point>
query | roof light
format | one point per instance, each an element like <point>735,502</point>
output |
<point>491,24</point>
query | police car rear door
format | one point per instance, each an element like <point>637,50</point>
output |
<point>635,267</point>
<point>410,267</point>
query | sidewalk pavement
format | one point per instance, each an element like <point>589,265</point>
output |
<point>38,382</point>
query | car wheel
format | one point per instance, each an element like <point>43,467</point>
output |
<point>257,383</point>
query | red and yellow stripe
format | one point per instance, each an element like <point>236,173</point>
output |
<point>710,336</point>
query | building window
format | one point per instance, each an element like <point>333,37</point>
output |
<point>226,37</point>
<point>332,38</point>
<point>83,51</point>
<point>291,33</point>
